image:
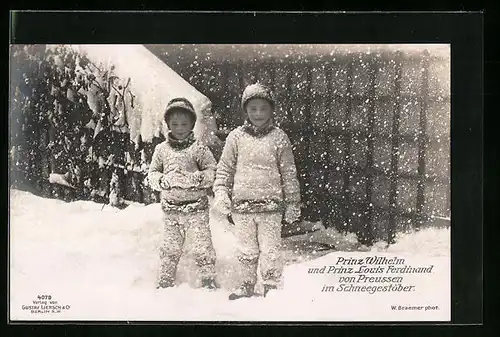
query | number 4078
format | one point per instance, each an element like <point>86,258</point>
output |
<point>44,297</point>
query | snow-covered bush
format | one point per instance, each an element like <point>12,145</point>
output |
<point>68,120</point>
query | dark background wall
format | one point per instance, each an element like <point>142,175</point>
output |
<point>370,130</point>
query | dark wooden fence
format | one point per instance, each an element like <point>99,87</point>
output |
<point>370,134</point>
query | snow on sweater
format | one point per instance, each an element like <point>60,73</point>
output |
<point>258,171</point>
<point>197,157</point>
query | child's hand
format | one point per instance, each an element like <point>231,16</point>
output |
<point>174,178</point>
<point>185,180</point>
<point>191,180</point>
<point>197,178</point>
<point>222,203</point>
<point>164,183</point>
<point>292,213</point>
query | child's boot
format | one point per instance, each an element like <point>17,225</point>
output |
<point>246,290</point>
<point>165,283</point>
<point>268,287</point>
<point>209,283</point>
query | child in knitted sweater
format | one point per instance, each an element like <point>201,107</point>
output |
<point>183,170</point>
<point>256,185</point>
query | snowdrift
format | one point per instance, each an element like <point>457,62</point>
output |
<point>154,84</point>
<point>102,262</point>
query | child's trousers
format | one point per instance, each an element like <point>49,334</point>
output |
<point>259,241</point>
<point>186,228</point>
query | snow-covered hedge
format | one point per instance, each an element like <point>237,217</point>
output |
<point>71,118</point>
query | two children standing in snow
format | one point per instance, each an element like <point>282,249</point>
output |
<point>255,185</point>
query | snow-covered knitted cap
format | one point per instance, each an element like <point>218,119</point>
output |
<point>177,104</point>
<point>257,90</point>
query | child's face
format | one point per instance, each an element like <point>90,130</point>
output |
<point>259,111</point>
<point>180,124</point>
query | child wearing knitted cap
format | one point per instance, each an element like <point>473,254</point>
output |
<point>183,170</point>
<point>256,186</point>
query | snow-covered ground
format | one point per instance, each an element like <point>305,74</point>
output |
<point>102,263</point>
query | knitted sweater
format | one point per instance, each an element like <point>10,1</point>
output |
<point>187,162</point>
<point>258,172</point>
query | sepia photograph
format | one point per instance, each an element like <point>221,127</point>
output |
<point>230,182</point>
